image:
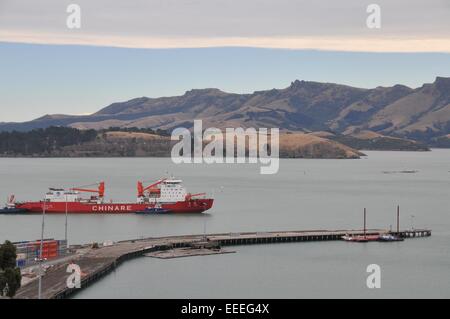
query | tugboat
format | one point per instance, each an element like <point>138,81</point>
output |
<point>11,208</point>
<point>156,209</point>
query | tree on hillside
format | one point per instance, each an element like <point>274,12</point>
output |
<point>10,276</point>
<point>42,141</point>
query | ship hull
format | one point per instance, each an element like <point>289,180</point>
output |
<point>182,207</point>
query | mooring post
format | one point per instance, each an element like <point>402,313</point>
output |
<point>364,222</point>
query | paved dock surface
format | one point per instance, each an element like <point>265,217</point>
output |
<point>97,262</point>
<point>186,252</point>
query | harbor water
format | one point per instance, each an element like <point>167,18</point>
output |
<point>305,194</point>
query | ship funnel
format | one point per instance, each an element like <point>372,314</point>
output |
<point>101,189</point>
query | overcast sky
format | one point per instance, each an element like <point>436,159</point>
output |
<point>320,24</point>
<point>127,49</point>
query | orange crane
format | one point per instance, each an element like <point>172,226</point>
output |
<point>100,191</point>
<point>141,190</point>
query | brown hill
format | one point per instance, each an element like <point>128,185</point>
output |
<point>117,144</point>
<point>398,111</point>
<point>424,109</point>
<point>369,140</point>
<point>300,145</point>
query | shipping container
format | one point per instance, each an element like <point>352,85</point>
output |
<point>21,263</point>
<point>21,256</point>
<point>30,250</point>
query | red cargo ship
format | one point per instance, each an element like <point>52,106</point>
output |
<point>169,194</point>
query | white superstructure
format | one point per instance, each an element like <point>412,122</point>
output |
<point>61,195</point>
<point>163,191</point>
<point>172,190</point>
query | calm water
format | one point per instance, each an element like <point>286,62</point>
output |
<point>305,194</point>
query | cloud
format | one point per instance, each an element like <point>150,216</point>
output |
<point>407,25</point>
<point>358,44</point>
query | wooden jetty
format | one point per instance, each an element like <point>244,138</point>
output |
<point>97,262</point>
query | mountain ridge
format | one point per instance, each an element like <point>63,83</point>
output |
<point>422,113</point>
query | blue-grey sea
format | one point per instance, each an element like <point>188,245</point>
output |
<point>304,194</point>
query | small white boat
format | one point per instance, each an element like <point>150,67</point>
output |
<point>389,237</point>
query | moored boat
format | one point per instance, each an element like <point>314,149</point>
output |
<point>364,238</point>
<point>11,210</point>
<point>10,207</point>
<point>156,209</point>
<point>389,238</point>
<point>153,211</point>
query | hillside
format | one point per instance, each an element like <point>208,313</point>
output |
<point>419,114</point>
<point>300,145</point>
<point>140,143</point>
<point>369,140</point>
